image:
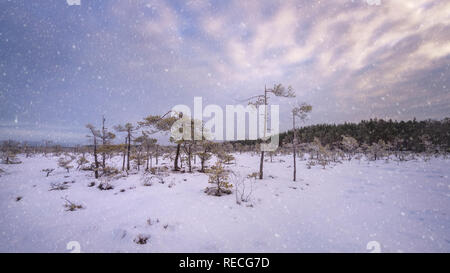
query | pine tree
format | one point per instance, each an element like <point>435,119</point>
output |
<point>219,177</point>
<point>162,124</point>
<point>279,91</point>
<point>205,154</point>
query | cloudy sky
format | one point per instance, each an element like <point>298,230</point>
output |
<point>62,66</point>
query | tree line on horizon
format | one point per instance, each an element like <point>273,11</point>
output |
<point>403,135</point>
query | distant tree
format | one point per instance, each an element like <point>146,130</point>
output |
<point>301,111</point>
<point>190,137</point>
<point>162,124</point>
<point>26,149</point>
<point>129,129</point>
<point>377,150</point>
<point>47,145</point>
<point>84,150</point>
<point>157,152</point>
<point>57,150</point>
<point>206,151</point>
<point>322,154</point>
<point>106,138</point>
<point>349,145</point>
<point>10,149</point>
<point>138,155</point>
<point>239,147</point>
<point>147,143</point>
<point>94,134</point>
<point>428,146</point>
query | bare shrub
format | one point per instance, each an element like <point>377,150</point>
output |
<point>149,180</point>
<point>151,222</point>
<point>71,206</point>
<point>243,186</point>
<point>141,239</point>
<point>110,171</point>
<point>323,154</point>
<point>105,186</point>
<point>253,175</point>
<point>81,162</point>
<point>225,157</point>
<point>64,162</point>
<point>161,171</point>
<point>57,186</point>
<point>48,171</point>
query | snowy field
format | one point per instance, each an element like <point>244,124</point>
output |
<point>403,207</point>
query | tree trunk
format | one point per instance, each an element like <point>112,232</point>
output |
<point>103,161</point>
<point>123,161</point>
<point>293,146</point>
<point>139,161</point>
<point>104,143</point>
<point>95,157</point>
<point>261,163</point>
<point>189,159</point>
<point>128,150</point>
<point>202,162</point>
<point>177,155</point>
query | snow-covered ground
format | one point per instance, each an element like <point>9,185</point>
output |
<point>402,207</point>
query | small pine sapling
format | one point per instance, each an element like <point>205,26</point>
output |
<point>218,176</point>
<point>225,157</point>
<point>81,161</point>
<point>65,163</point>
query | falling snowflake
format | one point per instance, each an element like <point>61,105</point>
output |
<point>373,2</point>
<point>73,2</point>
